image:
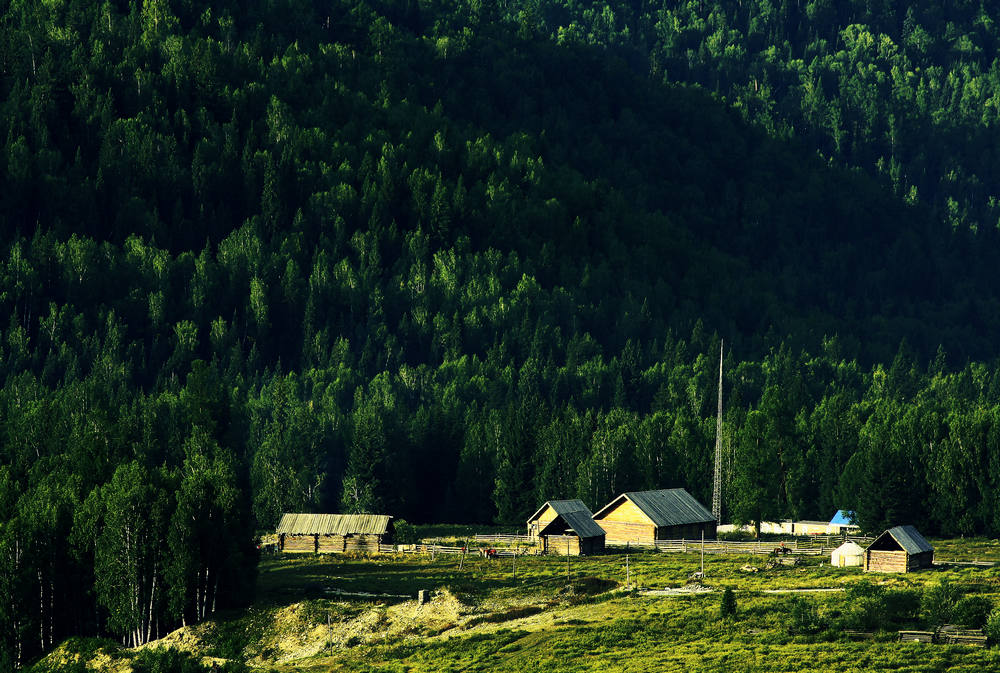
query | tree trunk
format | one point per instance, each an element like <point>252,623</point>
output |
<point>41,609</point>
<point>152,595</point>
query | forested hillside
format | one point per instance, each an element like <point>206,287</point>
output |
<point>446,260</point>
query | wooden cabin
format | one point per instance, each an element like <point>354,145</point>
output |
<point>566,527</point>
<point>898,550</point>
<point>644,517</point>
<point>335,533</point>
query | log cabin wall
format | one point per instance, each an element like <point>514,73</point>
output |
<point>300,543</point>
<point>627,523</point>
<point>559,544</point>
<point>363,544</point>
<point>877,561</point>
<point>331,544</point>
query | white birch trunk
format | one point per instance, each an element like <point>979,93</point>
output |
<point>41,609</point>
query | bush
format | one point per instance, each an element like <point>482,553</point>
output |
<point>902,605</point>
<point>939,602</point>
<point>404,532</point>
<point>992,627</point>
<point>805,617</point>
<point>728,606</point>
<point>972,611</point>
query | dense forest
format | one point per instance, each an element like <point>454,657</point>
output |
<point>447,260</point>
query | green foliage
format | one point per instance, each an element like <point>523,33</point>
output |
<point>992,627</point>
<point>727,606</point>
<point>972,611</point>
<point>406,533</point>
<point>938,603</point>
<point>804,617</point>
<point>296,257</point>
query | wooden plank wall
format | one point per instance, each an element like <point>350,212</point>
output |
<point>627,523</point>
<point>330,544</point>
<point>558,544</point>
<point>365,544</point>
<point>885,561</point>
<point>300,543</point>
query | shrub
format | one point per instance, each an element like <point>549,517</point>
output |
<point>902,605</point>
<point>404,532</point>
<point>728,606</point>
<point>938,603</point>
<point>804,617</point>
<point>992,627</point>
<point>972,611</point>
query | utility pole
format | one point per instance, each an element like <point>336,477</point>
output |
<point>628,574</point>
<point>703,553</point>
<point>717,485</point>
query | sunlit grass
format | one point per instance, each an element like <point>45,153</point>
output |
<point>570,630</point>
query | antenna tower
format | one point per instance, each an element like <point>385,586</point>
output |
<point>717,489</point>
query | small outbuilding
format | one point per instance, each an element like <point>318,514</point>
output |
<point>647,516</point>
<point>847,555</point>
<point>334,533</point>
<point>898,550</point>
<point>566,527</point>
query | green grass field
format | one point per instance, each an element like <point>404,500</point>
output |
<point>340,613</point>
<point>572,628</point>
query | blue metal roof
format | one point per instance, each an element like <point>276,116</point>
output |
<point>843,518</point>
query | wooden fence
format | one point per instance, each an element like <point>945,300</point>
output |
<point>434,549</point>
<point>506,539</point>
<point>804,547</point>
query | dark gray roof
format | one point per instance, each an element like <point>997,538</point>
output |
<point>666,507</point>
<point>908,538</point>
<point>580,523</point>
<point>562,507</point>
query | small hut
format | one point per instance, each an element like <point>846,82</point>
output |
<point>333,533</point>
<point>566,527</point>
<point>647,516</point>
<point>847,555</point>
<point>898,550</point>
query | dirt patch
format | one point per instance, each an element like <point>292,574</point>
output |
<point>686,590</point>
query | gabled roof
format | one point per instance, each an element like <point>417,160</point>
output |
<point>906,537</point>
<point>843,518</point>
<point>334,524</point>
<point>561,507</point>
<point>580,522</point>
<point>665,507</point>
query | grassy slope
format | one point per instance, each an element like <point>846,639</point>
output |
<point>480,619</point>
<point>610,631</point>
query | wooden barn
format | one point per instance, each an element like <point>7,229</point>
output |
<point>334,533</point>
<point>898,550</point>
<point>648,516</point>
<point>566,527</point>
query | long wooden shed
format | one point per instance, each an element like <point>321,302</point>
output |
<point>566,527</point>
<point>647,516</point>
<point>898,550</point>
<point>333,533</point>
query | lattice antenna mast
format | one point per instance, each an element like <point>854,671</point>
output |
<point>717,489</point>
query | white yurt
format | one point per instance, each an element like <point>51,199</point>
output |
<point>847,554</point>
